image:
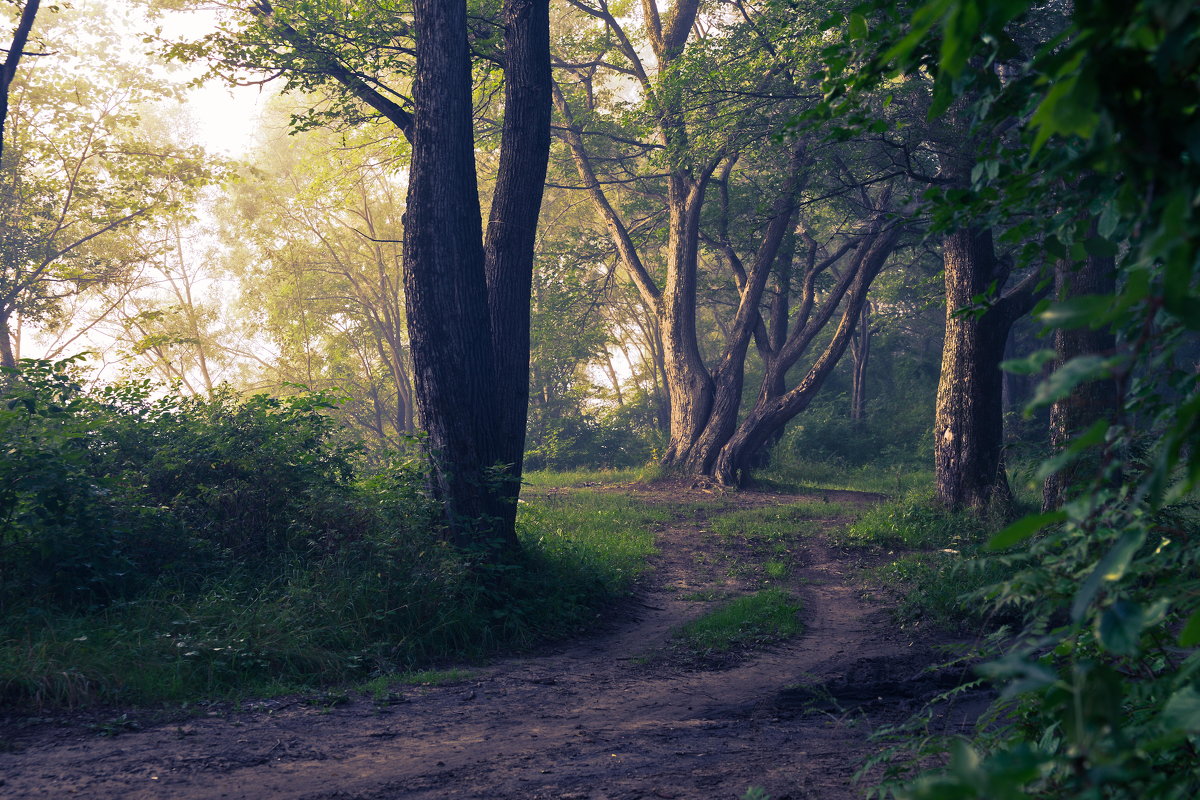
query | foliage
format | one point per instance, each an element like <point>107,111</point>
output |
<point>315,227</point>
<point>157,547</point>
<point>105,492</point>
<point>1087,148</point>
<point>89,161</point>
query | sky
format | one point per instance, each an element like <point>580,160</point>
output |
<point>226,117</point>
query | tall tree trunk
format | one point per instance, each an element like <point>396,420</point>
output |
<point>1088,402</point>
<point>691,386</point>
<point>969,422</point>
<point>458,302</point>
<point>8,69</point>
<point>512,225</point>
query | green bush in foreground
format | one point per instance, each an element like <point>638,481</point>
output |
<point>168,548</point>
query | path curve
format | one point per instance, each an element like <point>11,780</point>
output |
<point>585,721</point>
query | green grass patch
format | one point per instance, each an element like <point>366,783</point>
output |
<point>390,604</point>
<point>775,523</point>
<point>748,621</point>
<point>801,475</point>
<point>941,562</point>
<point>915,523</point>
<point>592,477</point>
<point>381,686</point>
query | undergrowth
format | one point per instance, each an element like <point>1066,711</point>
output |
<point>936,560</point>
<point>156,548</point>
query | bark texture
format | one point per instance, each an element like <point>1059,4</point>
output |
<point>461,303</point>
<point>1091,401</point>
<point>969,422</point>
<point>512,225</point>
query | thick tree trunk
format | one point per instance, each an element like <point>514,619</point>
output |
<point>690,385</point>
<point>969,422</point>
<point>457,306</point>
<point>1091,401</point>
<point>512,225</point>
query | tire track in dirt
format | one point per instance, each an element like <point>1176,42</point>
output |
<point>586,721</point>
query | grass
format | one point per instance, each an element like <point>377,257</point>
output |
<point>752,620</point>
<point>412,605</point>
<point>381,686</point>
<point>939,559</point>
<point>779,522</point>
<point>592,477</point>
<point>798,475</point>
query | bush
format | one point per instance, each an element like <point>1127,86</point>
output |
<point>104,493</point>
<point>156,547</point>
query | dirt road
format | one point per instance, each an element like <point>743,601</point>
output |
<point>595,719</point>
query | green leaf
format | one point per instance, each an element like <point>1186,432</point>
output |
<point>923,20</point>
<point>1069,108</point>
<point>1075,372</point>
<point>1182,711</point>
<point>959,34</point>
<point>1032,364</point>
<point>1111,568</point>
<point>1076,312</point>
<point>1023,528</point>
<point>1089,438</point>
<point>1119,628</point>
<point>858,26</point>
<point>1190,635</point>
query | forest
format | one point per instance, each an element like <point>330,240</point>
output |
<point>600,398</point>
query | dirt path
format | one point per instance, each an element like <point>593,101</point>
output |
<point>591,720</point>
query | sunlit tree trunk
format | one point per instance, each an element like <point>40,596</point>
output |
<point>7,356</point>
<point>969,421</point>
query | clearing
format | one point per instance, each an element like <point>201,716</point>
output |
<point>626,713</point>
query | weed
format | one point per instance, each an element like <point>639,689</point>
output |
<point>394,600</point>
<point>593,477</point>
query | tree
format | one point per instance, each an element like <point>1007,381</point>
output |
<point>466,292</point>
<point>1092,402</point>
<point>1100,165</point>
<point>80,173</point>
<point>693,131</point>
<point>8,70</point>
<point>314,237</point>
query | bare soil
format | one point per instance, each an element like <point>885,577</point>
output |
<point>620,714</point>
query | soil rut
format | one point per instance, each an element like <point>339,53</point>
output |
<point>591,720</point>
